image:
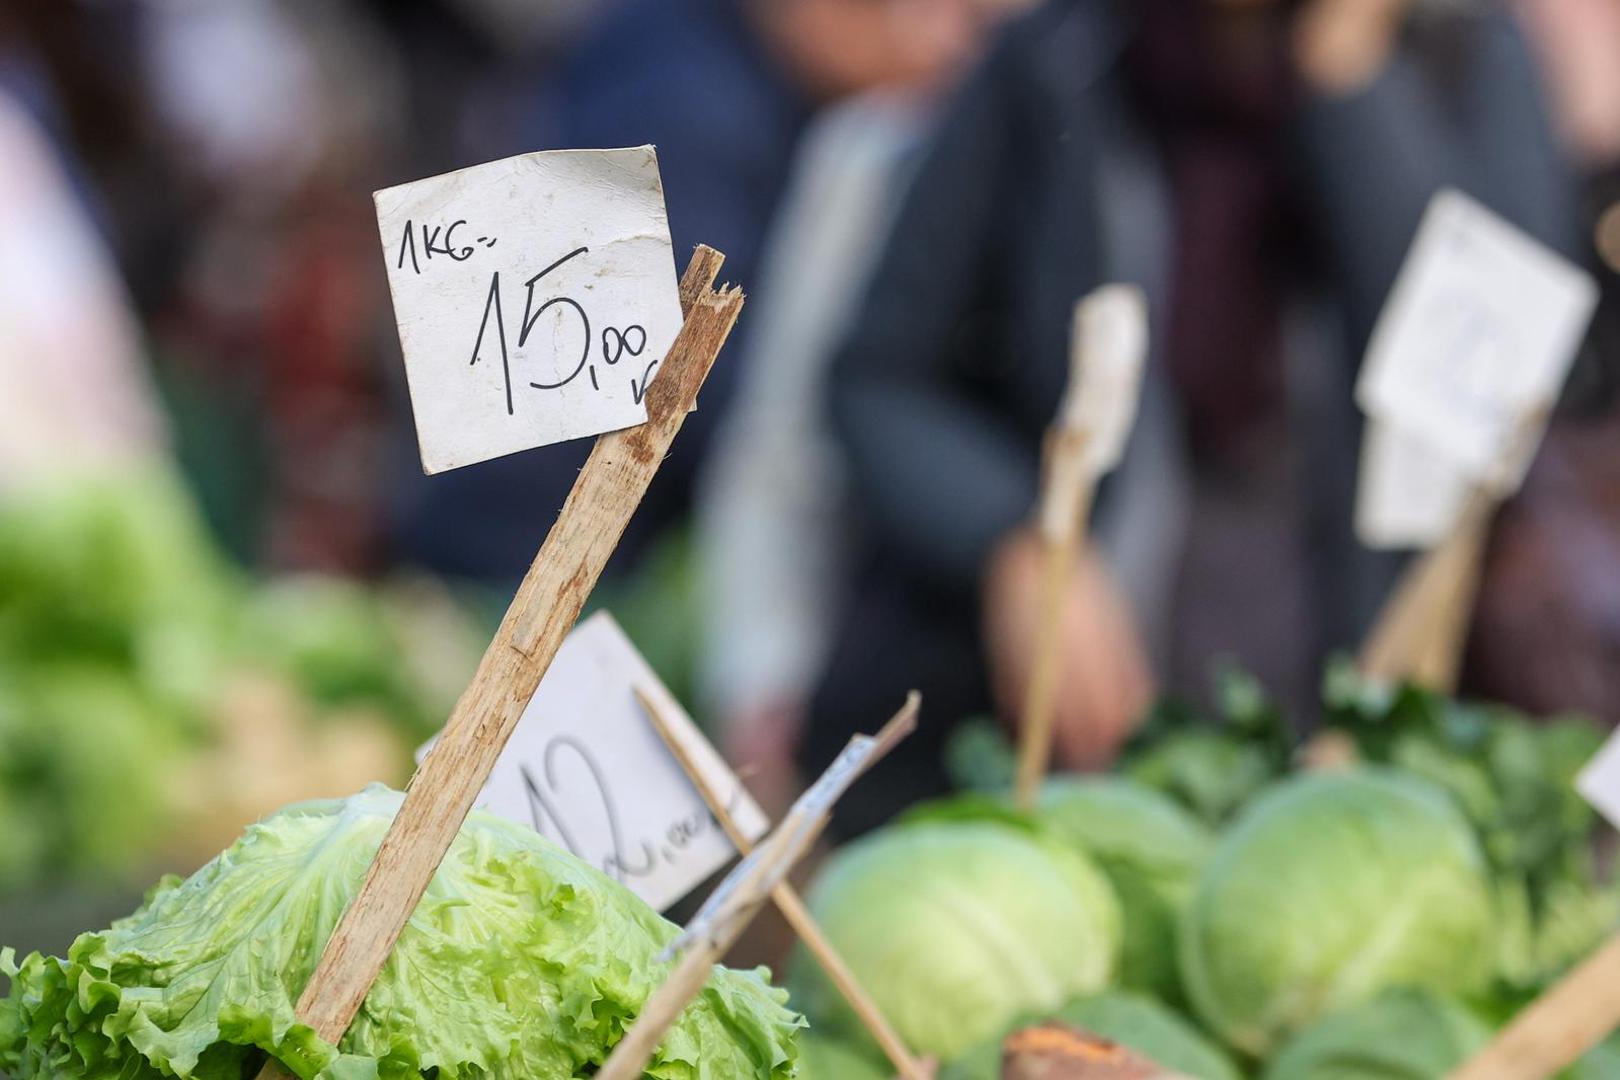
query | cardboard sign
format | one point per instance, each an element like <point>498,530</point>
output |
<point>1599,782</point>
<point>1107,354</point>
<point>1408,494</point>
<point>535,298</point>
<point>587,769</point>
<point>1478,334</point>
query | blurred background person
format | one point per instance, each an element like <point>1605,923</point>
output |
<point>724,89</point>
<point>1546,632</point>
<point>771,521</point>
<point>1260,169</point>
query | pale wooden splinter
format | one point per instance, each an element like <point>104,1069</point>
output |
<point>793,910</point>
<point>745,891</point>
<point>1106,355</point>
<point>548,602</point>
<point>1552,1033</point>
<point>1421,631</point>
<point>1065,502</point>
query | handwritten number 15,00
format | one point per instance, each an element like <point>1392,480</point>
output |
<point>615,344</point>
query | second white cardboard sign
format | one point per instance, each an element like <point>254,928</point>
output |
<point>587,769</point>
<point>1477,336</point>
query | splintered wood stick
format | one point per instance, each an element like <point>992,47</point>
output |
<point>737,899</point>
<point>1065,501</point>
<point>549,600</point>
<point>793,909</point>
<point>1423,627</point>
<point>1551,1033</point>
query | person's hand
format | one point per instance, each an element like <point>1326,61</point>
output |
<point>1342,45</point>
<point>1104,683</point>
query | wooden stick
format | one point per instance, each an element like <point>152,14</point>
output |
<point>793,910</point>
<point>745,891</point>
<point>1423,627</point>
<point>1553,1031</point>
<point>549,600</point>
<point>1065,502</point>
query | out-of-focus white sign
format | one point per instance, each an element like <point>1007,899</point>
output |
<point>1599,782</point>
<point>1477,336</point>
<point>587,768</point>
<point>535,298</point>
<point>1408,494</point>
<point>1107,356</point>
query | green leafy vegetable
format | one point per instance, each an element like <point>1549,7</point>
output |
<point>1141,1023</point>
<point>1398,1035</point>
<point>1150,848</point>
<point>520,962</point>
<point>822,1058</point>
<point>956,928</point>
<point>1327,889</point>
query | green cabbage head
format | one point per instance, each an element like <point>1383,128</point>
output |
<point>520,962</point>
<point>1142,1023</point>
<point>1326,890</point>
<point>1401,1034</point>
<point>1152,851</point>
<point>956,928</point>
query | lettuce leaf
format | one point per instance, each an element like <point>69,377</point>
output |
<point>520,962</point>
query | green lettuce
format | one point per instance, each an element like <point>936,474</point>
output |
<point>519,962</point>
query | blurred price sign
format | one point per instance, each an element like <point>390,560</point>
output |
<point>1599,782</point>
<point>535,298</point>
<point>587,768</point>
<point>1466,361</point>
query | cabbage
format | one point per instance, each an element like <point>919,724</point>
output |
<point>822,1058</point>
<point>1399,1035</point>
<point>519,962</point>
<point>1327,889</point>
<point>956,928</point>
<point>1141,1023</point>
<point>1150,848</point>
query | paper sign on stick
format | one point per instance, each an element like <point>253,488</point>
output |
<point>1599,782</point>
<point>587,769</point>
<point>535,297</point>
<point>1408,494</point>
<point>1478,334</point>
<point>1109,349</point>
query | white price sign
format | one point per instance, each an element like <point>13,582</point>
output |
<point>535,298</point>
<point>1599,782</point>
<point>1408,493</point>
<point>1108,352</point>
<point>587,768</point>
<point>1476,337</point>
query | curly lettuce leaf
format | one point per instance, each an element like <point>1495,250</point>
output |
<point>519,962</point>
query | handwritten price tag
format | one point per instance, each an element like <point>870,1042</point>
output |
<point>535,297</point>
<point>1108,351</point>
<point>1599,782</point>
<point>587,769</point>
<point>1408,493</point>
<point>1477,336</point>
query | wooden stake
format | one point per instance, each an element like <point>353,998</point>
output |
<point>1420,633</point>
<point>745,891</point>
<point>1553,1031</point>
<point>1065,501</point>
<point>548,602</point>
<point>794,911</point>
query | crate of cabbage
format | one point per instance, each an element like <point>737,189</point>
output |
<point>1376,922</point>
<point>1373,922</point>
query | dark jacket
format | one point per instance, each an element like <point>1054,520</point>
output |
<point>953,368</point>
